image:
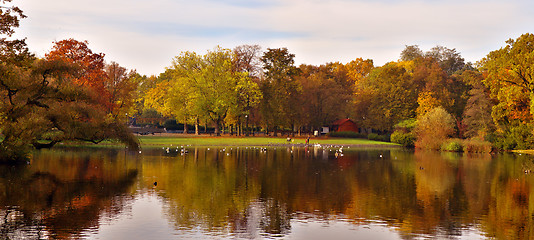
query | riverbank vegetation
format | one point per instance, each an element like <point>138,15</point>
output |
<point>72,93</point>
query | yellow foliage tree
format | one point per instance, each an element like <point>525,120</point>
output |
<point>426,102</point>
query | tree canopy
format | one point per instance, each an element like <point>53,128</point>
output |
<point>46,101</point>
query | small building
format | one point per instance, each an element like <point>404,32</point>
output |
<point>345,125</point>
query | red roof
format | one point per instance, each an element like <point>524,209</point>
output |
<point>341,122</point>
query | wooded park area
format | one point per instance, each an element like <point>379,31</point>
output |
<point>422,99</point>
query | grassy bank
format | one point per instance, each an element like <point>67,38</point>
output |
<point>531,152</point>
<point>159,141</point>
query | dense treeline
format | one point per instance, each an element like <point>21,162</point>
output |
<point>247,87</point>
<point>486,101</point>
<point>73,94</point>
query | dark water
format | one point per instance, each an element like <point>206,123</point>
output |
<point>253,193</point>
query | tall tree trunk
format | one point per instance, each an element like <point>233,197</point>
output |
<point>217,127</point>
<point>185,125</point>
<point>197,122</point>
<point>246,127</point>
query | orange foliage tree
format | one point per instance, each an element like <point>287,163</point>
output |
<point>91,71</point>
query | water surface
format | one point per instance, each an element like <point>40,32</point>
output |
<point>258,193</point>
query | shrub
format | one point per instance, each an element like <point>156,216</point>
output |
<point>404,139</point>
<point>516,137</point>
<point>477,146</point>
<point>347,135</point>
<point>406,125</point>
<point>452,145</point>
<point>376,137</point>
<point>434,128</point>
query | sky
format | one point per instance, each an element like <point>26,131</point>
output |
<point>146,35</point>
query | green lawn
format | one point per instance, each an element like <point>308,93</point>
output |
<point>159,141</point>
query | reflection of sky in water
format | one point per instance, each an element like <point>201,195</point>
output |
<point>146,220</point>
<point>339,230</point>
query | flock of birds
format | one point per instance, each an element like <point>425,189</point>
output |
<point>338,150</point>
<point>183,150</point>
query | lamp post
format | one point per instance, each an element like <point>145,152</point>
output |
<point>246,125</point>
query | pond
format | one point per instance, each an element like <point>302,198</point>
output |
<point>317,192</point>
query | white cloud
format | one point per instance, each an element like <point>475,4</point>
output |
<point>145,35</point>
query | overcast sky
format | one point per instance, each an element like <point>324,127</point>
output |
<point>146,35</point>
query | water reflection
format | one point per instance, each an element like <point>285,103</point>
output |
<point>248,192</point>
<point>59,195</point>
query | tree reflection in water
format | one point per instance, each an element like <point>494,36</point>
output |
<point>62,194</point>
<point>248,192</point>
<point>253,192</point>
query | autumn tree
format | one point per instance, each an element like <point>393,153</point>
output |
<point>326,94</point>
<point>145,84</point>
<point>358,69</point>
<point>91,64</point>
<point>247,59</point>
<point>279,88</point>
<point>121,85</point>
<point>434,128</point>
<point>510,81</point>
<point>449,59</point>
<point>43,106</point>
<point>433,81</point>
<point>207,86</point>
<point>12,51</point>
<point>411,52</point>
<point>41,101</point>
<point>387,96</point>
<point>426,102</point>
<point>477,115</point>
<point>169,96</point>
<point>248,97</point>
<point>436,73</point>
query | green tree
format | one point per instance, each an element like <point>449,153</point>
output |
<point>280,89</point>
<point>207,86</point>
<point>387,96</point>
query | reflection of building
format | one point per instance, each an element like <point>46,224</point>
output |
<point>344,125</point>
